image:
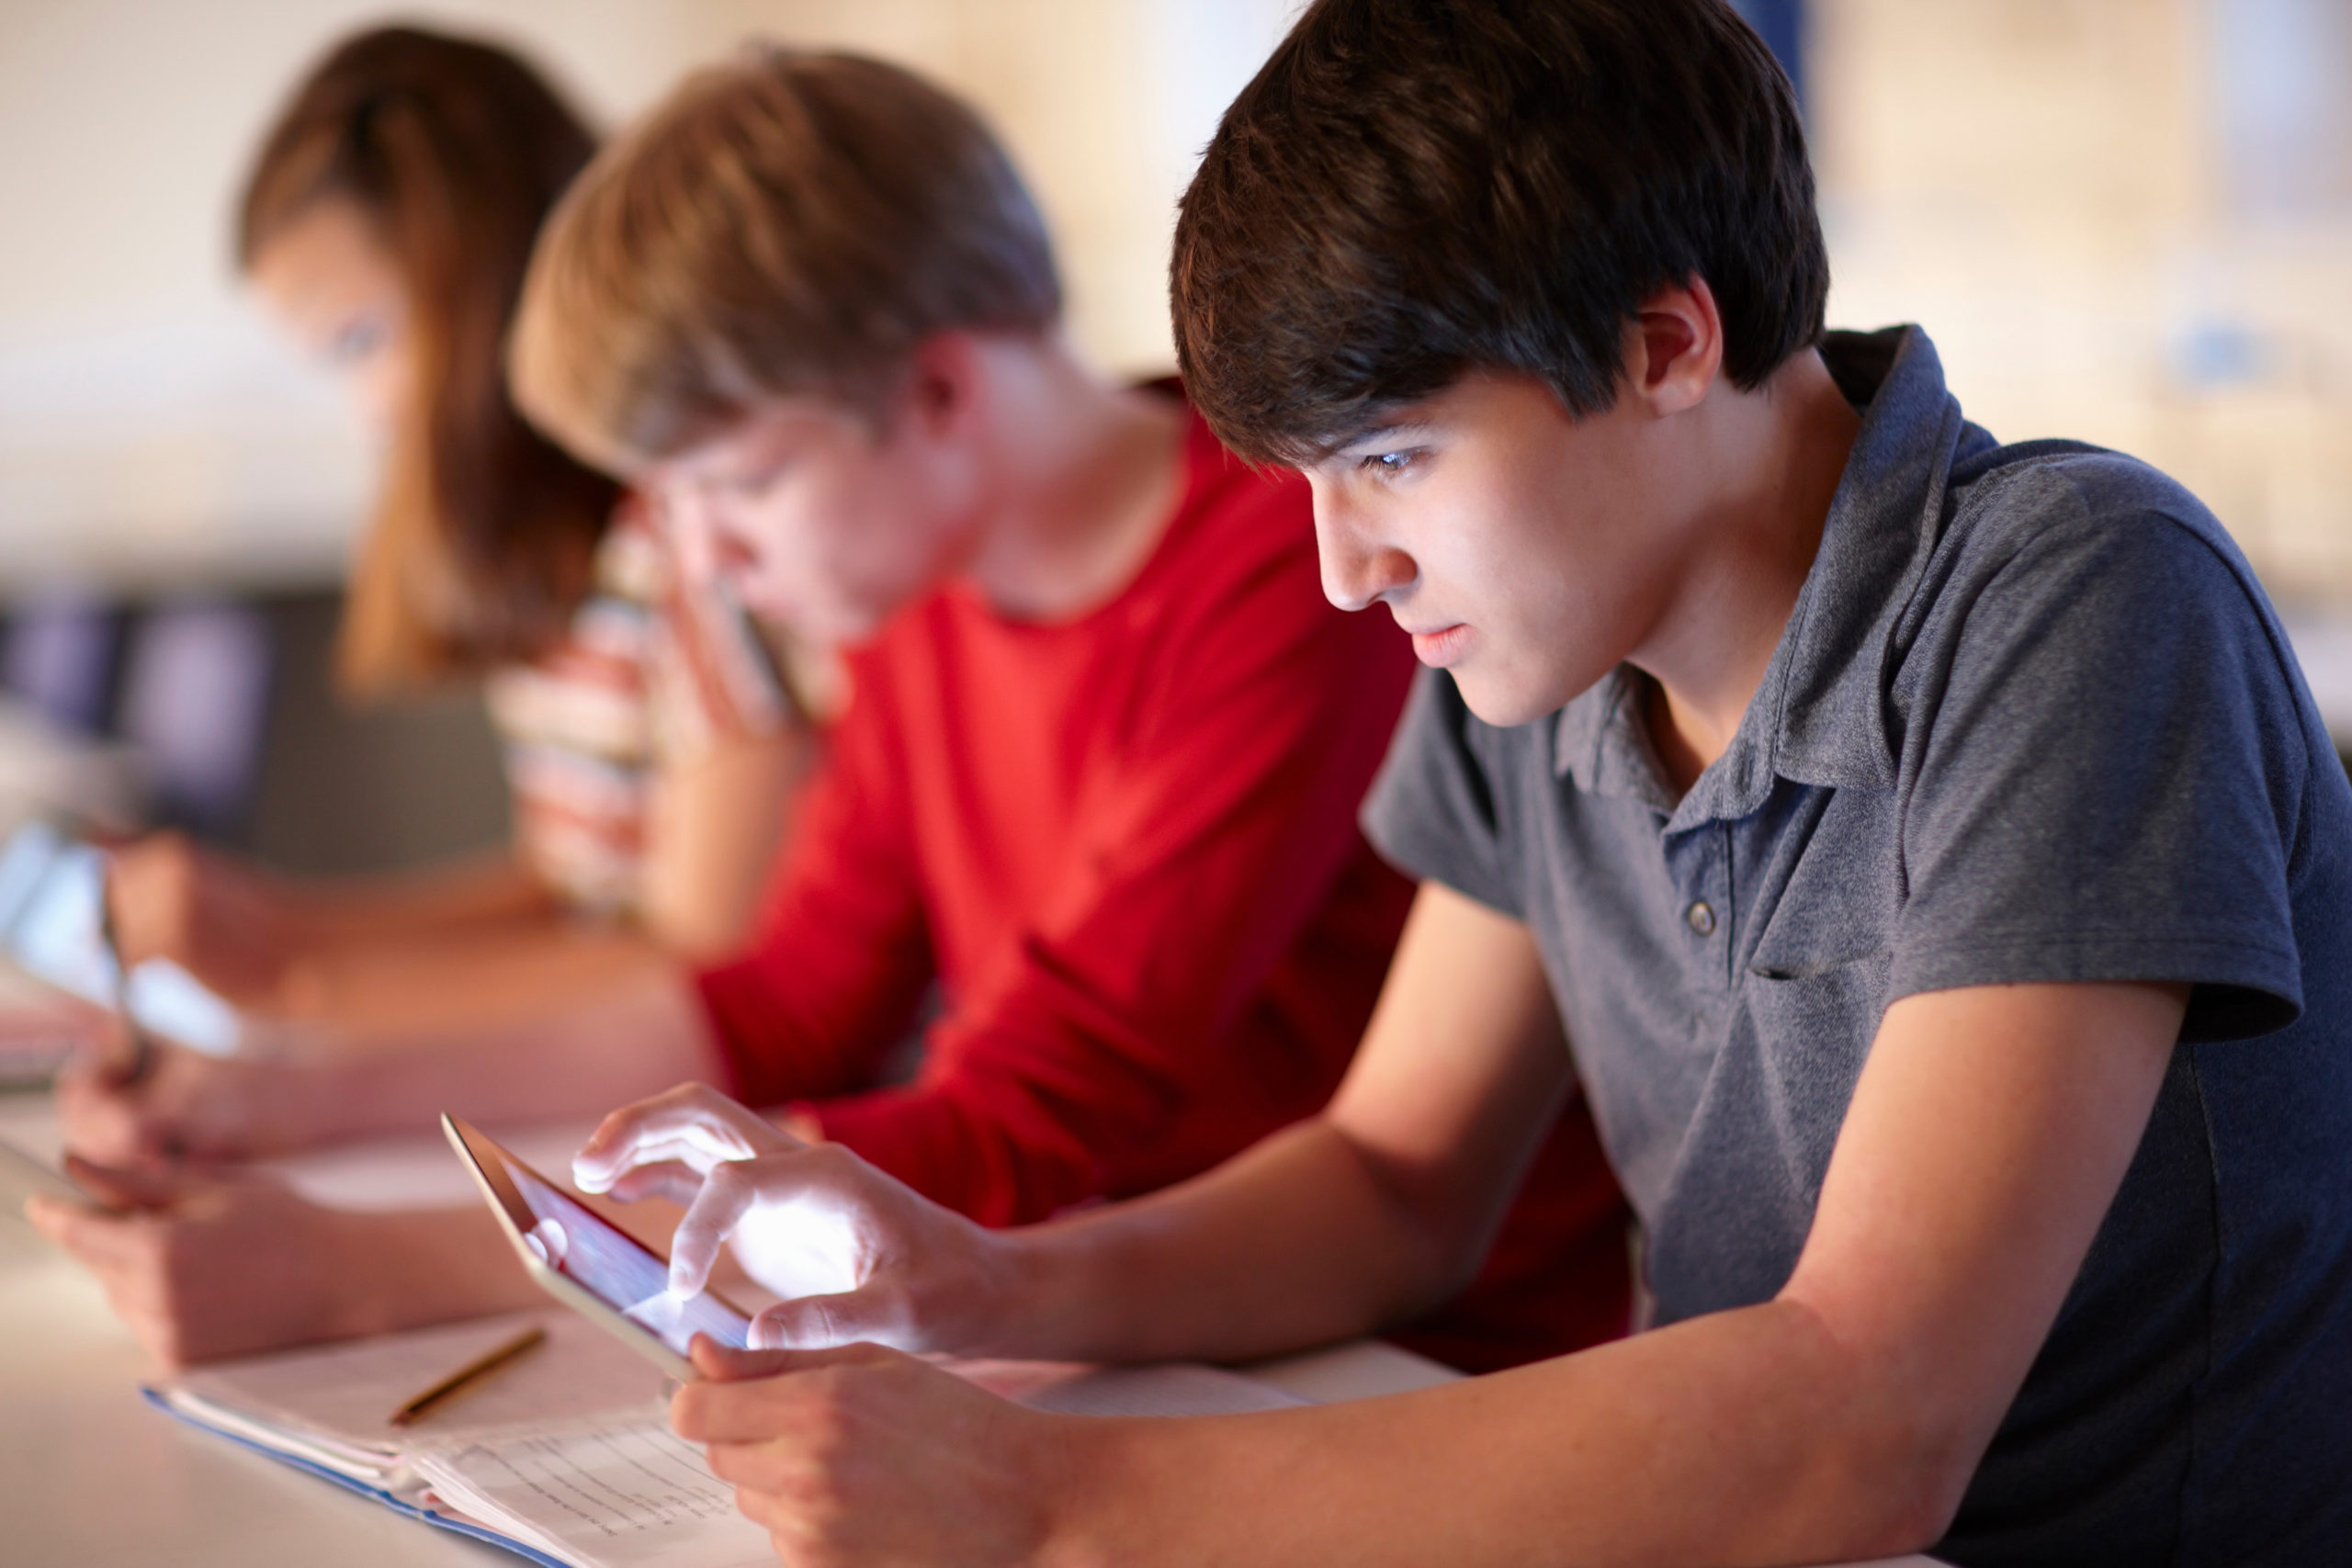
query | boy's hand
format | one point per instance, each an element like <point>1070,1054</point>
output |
<point>856,1255</point>
<point>235,928</point>
<point>863,1455</point>
<point>200,1266</point>
<point>185,1104</point>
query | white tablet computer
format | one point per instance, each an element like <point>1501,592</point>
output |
<point>591,1265</point>
<point>52,926</point>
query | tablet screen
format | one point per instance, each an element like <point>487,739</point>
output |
<point>52,892</point>
<point>594,1252</point>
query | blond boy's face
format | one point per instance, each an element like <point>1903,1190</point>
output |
<point>816,519</point>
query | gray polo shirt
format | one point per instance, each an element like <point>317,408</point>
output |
<point>2032,719</point>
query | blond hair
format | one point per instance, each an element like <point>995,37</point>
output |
<point>788,223</point>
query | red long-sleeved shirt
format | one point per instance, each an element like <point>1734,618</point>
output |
<point>1126,846</point>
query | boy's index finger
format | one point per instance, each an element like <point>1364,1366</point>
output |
<point>674,1125</point>
<point>747,1396</point>
<point>653,1110</point>
<point>726,1363</point>
<point>120,1190</point>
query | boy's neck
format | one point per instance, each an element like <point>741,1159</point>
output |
<point>1782,452</point>
<point>1084,477</point>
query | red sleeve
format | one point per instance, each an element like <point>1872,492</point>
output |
<point>1228,822</point>
<point>843,953</point>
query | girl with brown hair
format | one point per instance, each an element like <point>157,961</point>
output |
<point>650,735</point>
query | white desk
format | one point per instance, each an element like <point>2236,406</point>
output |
<point>92,1478</point>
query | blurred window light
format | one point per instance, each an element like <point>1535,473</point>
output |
<point>2282,72</point>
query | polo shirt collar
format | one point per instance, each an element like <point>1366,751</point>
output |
<point>1820,715</point>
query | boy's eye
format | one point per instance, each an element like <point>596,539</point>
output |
<point>1388,462</point>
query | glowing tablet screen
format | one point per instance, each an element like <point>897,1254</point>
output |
<point>614,1266</point>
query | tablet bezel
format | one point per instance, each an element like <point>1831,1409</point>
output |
<point>486,1158</point>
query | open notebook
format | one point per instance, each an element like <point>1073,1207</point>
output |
<point>566,1456</point>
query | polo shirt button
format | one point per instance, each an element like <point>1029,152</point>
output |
<point>1702,919</point>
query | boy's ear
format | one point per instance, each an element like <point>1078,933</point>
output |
<point>1674,348</point>
<point>943,382</point>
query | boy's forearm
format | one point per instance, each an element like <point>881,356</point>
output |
<point>1746,1437</point>
<point>1292,1244</point>
<point>625,1036</point>
<point>494,890</point>
<point>422,991</point>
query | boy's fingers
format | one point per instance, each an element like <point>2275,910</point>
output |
<point>679,1147</point>
<point>727,1195</point>
<point>808,1325</point>
<point>691,1122</point>
<point>47,1215</point>
<point>104,1242</point>
<point>125,1187</point>
<point>737,1402</point>
<point>724,1363</point>
<point>670,1178</point>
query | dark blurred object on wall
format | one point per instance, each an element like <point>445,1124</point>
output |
<point>59,659</point>
<point>228,707</point>
<point>193,699</point>
<point>346,789</point>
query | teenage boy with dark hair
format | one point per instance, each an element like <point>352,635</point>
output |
<point>1097,775</point>
<point>1930,847</point>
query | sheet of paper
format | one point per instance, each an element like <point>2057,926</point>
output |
<point>349,1390</point>
<point>614,1494</point>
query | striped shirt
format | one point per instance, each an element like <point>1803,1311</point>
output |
<point>653,670</point>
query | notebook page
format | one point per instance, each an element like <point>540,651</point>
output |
<point>611,1494</point>
<point>348,1391</point>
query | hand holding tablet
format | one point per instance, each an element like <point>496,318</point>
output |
<point>857,1256</point>
<point>54,924</point>
<point>591,1265</point>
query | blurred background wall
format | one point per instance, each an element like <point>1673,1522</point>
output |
<point>2127,220</point>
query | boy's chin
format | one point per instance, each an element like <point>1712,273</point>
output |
<point>1497,700</point>
<point>1508,698</point>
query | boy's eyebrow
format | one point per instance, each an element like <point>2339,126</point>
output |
<point>1386,431</point>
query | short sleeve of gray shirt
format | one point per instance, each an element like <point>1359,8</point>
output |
<point>2085,791</point>
<point>2032,720</point>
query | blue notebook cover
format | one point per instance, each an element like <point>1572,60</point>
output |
<point>444,1521</point>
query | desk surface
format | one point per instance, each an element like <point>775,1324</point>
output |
<point>91,1477</point>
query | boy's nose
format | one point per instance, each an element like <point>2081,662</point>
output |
<point>1357,567</point>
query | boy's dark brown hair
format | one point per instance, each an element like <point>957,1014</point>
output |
<point>1413,189</point>
<point>788,223</point>
<point>452,153</point>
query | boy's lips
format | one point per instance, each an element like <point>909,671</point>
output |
<point>1441,645</point>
